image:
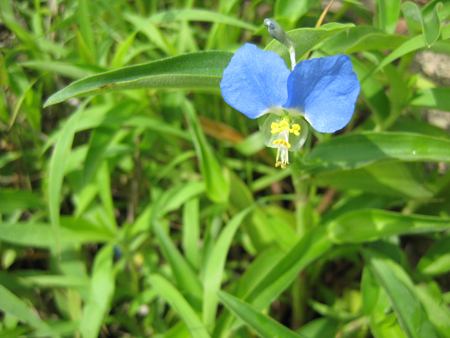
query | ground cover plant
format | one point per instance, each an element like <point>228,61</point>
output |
<point>147,191</point>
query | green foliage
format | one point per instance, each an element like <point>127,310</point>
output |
<point>151,208</point>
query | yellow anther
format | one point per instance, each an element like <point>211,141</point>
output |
<point>283,142</point>
<point>284,124</point>
<point>280,164</point>
<point>275,128</point>
<point>295,129</point>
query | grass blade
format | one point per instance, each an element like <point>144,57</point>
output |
<point>180,305</point>
<point>216,266</point>
<point>57,169</point>
<point>261,323</point>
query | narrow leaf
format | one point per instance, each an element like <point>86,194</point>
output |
<point>101,293</point>
<point>400,289</point>
<point>199,70</point>
<point>436,260</point>
<point>368,225</point>
<point>199,15</point>
<point>387,15</point>
<point>217,188</point>
<point>357,150</point>
<point>180,305</point>
<point>13,305</point>
<point>216,265</point>
<point>185,276</point>
<point>433,98</point>
<point>57,169</point>
<point>267,327</point>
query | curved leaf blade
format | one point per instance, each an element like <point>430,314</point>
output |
<point>217,187</point>
<point>180,305</point>
<point>199,15</point>
<point>369,225</point>
<point>185,276</point>
<point>101,293</point>
<point>433,98</point>
<point>361,38</point>
<point>357,150</point>
<point>402,295</point>
<point>216,266</point>
<point>409,46</point>
<point>199,70</point>
<point>261,323</point>
<point>13,305</point>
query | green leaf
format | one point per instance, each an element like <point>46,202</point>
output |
<point>47,281</point>
<point>305,39</point>
<point>199,15</point>
<point>357,150</point>
<point>200,70</point>
<point>101,293</point>
<point>276,279</point>
<point>179,305</point>
<point>409,46</point>
<point>101,137</point>
<point>122,50</point>
<point>8,157</point>
<point>85,25</point>
<point>387,14</point>
<point>71,70</point>
<point>376,306</point>
<point>13,305</point>
<point>185,276</point>
<point>436,260</point>
<point>314,244</point>
<point>267,327</point>
<point>57,169</point>
<point>174,198</point>
<point>217,188</point>
<point>321,327</point>
<point>13,200</point>
<point>400,289</point>
<point>191,232</point>
<point>433,98</point>
<point>407,125</point>
<point>216,265</point>
<point>369,225</point>
<point>293,9</point>
<point>362,38</point>
<point>437,310</point>
<point>413,17</point>
<point>428,20</point>
<point>373,92</point>
<point>390,178</point>
<point>41,235</point>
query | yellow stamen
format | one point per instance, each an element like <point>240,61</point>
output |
<point>280,164</point>
<point>295,129</point>
<point>274,127</point>
<point>279,127</point>
<point>283,142</point>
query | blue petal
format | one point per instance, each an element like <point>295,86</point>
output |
<point>255,81</point>
<point>325,91</point>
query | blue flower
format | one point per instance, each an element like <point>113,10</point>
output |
<point>322,90</point>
